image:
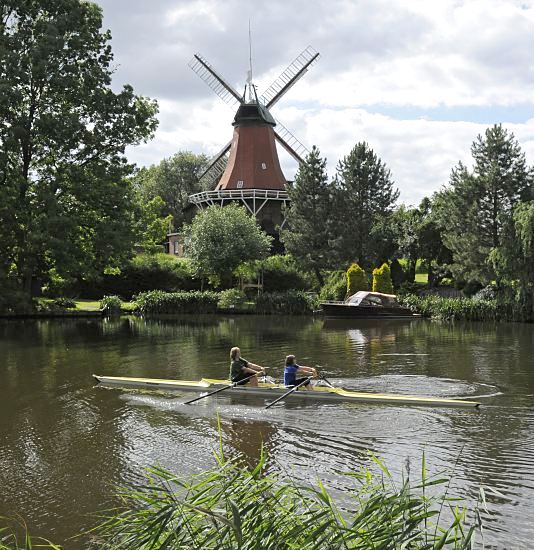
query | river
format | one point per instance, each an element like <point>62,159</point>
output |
<point>66,444</point>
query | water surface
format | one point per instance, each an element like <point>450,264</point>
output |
<point>65,444</point>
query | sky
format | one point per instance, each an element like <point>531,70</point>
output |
<point>417,80</point>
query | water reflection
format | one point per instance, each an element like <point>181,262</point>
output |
<point>64,444</point>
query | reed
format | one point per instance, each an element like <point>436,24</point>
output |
<point>449,309</point>
<point>234,507</point>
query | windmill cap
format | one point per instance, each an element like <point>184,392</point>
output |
<point>253,114</point>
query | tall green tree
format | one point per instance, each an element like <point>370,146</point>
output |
<point>63,131</point>
<point>309,224</point>
<point>513,260</point>
<point>477,206</point>
<point>221,238</point>
<point>173,179</point>
<point>364,200</point>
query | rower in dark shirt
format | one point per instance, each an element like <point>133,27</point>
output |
<point>241,368</point>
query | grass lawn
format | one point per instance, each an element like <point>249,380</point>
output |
<point>94,305</point>
<point>421,278</point>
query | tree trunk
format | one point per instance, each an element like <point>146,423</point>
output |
<point>319,276</point>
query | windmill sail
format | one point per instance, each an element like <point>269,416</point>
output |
<point>289,142</point>
<point>216,166</point>
<point>291,74</point>
<point>215,81</point>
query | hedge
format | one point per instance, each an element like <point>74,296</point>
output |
<point>157,301</point>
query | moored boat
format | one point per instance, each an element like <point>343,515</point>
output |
<point>273,390</point>
<point>365,305</point>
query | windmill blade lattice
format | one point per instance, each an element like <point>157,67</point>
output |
<point>291,74</point>
<point>216,166</point>
<point>290,143</point>
<point>215,81</point>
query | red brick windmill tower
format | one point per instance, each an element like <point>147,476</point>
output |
<point>249,163</point>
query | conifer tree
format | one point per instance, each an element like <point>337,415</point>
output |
<point>365,196</point>
<point>477,206</point>
<point>308,232</point>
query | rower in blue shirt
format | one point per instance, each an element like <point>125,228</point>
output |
<point>292,369</point>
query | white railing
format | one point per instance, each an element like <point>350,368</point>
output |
<point>252,199</point>
<point>238,194</point>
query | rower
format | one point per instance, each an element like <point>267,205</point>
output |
<point>241,368</point>
<point>292,369</point>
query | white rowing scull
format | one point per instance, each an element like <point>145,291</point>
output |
<point>272,390</point>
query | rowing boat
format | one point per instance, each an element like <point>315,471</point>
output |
<point>273,390</point>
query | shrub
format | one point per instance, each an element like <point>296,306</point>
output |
<point>111,305</point>
<point>448,309</point>
<point>231,298</point>
<point>157,301</point>
<point>398,276</point>
<point>142,273</point>
<point>356,279</point>
<point>292,302</point>
<point>471,288</point>
<point>335,287</point>
<point>64,303</point>
<point>382,279</point>
<point>281,273</point>
<point>232,506</point>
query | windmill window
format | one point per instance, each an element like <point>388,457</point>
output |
<point>240,184</point>
<point>264,166</point>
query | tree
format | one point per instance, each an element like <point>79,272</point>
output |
<point>365,197</point>
<point>513,260</point>
<point>221,238</point>
<point>382,279</point>
<point>173,179</point>
<point>477,206</point>
<point>63,130</point>
<point>152,225</point>
<point>356,279</point>
<point>309,218</point>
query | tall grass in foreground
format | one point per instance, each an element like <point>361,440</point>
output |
<point>14,535</point>
<point>232,507</point>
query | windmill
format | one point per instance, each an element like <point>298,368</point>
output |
<point>247,168</point>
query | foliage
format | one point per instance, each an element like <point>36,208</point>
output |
<point>152,225</point>
<point>309,219</point>
<point>157,301</point>
<point>65,203</point>
<point>477,207</point>
<point>382,279</point>
<point>11,539</point>
<point>222,238</point>
<point>398,276</point>
<point>173,180</point>
<point>65,303</point>
<point>111,305</point>
<point>232,506</point>
<point>142,273</point>
<point>356,279</point>
<point>281,272</point>
<point>291,302</point>
<point>457,309</point>
<point>364,199</point>
<point>335,287</point>
<point>231,298</point>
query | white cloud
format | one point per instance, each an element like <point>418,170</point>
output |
<point>376,56</point>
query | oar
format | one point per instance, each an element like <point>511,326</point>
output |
<point>232,385</point>
<point>322,377</point>
<point>287,393</point>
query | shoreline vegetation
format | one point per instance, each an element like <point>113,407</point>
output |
<point>236,505</point>
<point>479,307</point>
